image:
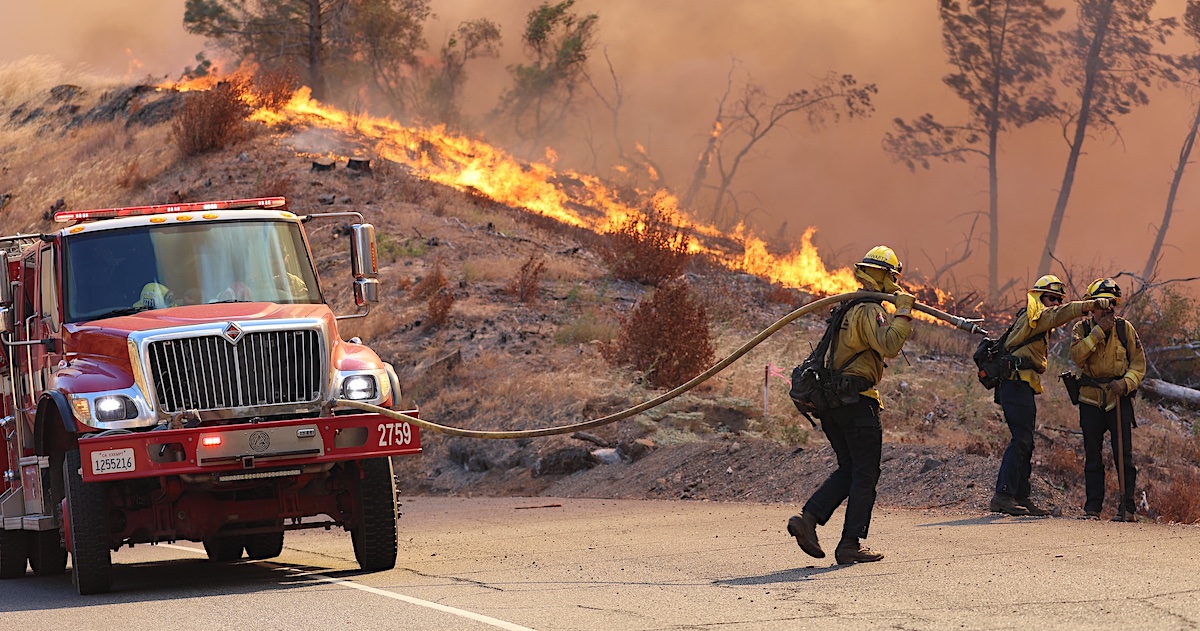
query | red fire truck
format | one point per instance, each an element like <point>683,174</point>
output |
<point>173,372</point>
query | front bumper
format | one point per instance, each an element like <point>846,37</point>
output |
<point>246,450</point>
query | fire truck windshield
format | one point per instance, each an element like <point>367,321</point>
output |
<point>118,272</point>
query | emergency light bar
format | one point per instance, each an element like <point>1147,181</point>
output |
<point>159,209</point>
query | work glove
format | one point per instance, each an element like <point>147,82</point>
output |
<point>904,304</point>
<point>1097,303</point>
<point>1105,320</point>
<point>1118,387</point>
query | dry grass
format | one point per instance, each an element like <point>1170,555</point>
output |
<point>98,141</point>
<point>488,269</point>
<point>30,78</point>
<point>432,283</point>
<point>132,176</point>
<point>590,326</point>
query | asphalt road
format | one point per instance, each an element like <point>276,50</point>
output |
<point>541,563</point>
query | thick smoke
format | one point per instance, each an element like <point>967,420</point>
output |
<point>132,38</point>
<point>673,58</point>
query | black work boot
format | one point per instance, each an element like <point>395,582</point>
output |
<point>850,552</point>
<point>1004,503</point>
<point>804,528</point>
<point>1033,509</point>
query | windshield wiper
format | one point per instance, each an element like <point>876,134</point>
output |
<point>123,311</point>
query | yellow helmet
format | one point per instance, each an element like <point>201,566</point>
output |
<point>155,296</point>
<point>1104,288</point>
<point>1050,284</point>
<point>884,258</point>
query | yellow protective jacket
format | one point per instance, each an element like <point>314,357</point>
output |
<point>1102,357</point>
<point>867,326</point>
<point>1034,353</point>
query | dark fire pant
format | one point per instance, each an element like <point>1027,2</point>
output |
<point>856,436</point>
<point>1020,413</point>
<point>1095,422</point>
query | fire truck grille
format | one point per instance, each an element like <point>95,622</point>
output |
<point>262,369</point>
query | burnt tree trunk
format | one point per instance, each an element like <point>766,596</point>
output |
<point>316,69</point>
<point>1091,69</point>
<point>1170,392</point>
<point>1185,152</point>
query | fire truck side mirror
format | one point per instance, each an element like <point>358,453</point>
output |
<point>363,260</point>
<point>6,292</point>
<point>366,291</point>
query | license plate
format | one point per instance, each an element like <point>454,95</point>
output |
<point>112,461</point>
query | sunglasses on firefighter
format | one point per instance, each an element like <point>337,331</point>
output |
<point>1056,300</point>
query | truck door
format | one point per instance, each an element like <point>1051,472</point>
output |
<point>26,297</point>
<point>49,321</point>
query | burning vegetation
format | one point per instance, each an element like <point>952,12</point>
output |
<point>544,274</point>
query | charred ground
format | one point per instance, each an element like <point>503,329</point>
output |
<point>480,344</point>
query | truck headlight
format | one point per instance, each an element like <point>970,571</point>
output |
<point>115,407</point>
<point>359,387</point>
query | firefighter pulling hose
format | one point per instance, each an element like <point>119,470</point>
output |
<point>965,324</point>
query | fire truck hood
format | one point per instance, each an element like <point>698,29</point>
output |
<point>200,314</point>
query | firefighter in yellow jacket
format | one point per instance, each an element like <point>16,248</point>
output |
<point>1112,362</point>
<point>1027,346</point>
<point>868,336</point>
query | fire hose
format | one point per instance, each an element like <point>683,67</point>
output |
<point>969,325</point>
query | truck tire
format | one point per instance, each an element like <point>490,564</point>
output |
<point>14,549</point>
<point>374,532</point>
<point>47,556</point>
<point>87,516</point>
<point>224,549</point>
<point>267,545</point>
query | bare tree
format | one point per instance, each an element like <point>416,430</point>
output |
<point>1109,61</point>
<point>1189,66</point>
<point>739,127</point>
<point>1000,52</point>
<point>639,158</point>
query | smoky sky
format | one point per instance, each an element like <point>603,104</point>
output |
<point>673,58</point>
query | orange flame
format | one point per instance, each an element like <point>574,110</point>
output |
<point>575,199</point>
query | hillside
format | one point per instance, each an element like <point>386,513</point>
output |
<point>494,361</point>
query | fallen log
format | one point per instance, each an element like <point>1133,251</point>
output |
<point>1170,392</point>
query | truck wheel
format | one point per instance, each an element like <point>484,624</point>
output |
<point>374,533</point>
<point>46,554</point>
<point>267,545</point>
<point>224,549</point>
<point>14,549</point>
<point>87,517</point>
